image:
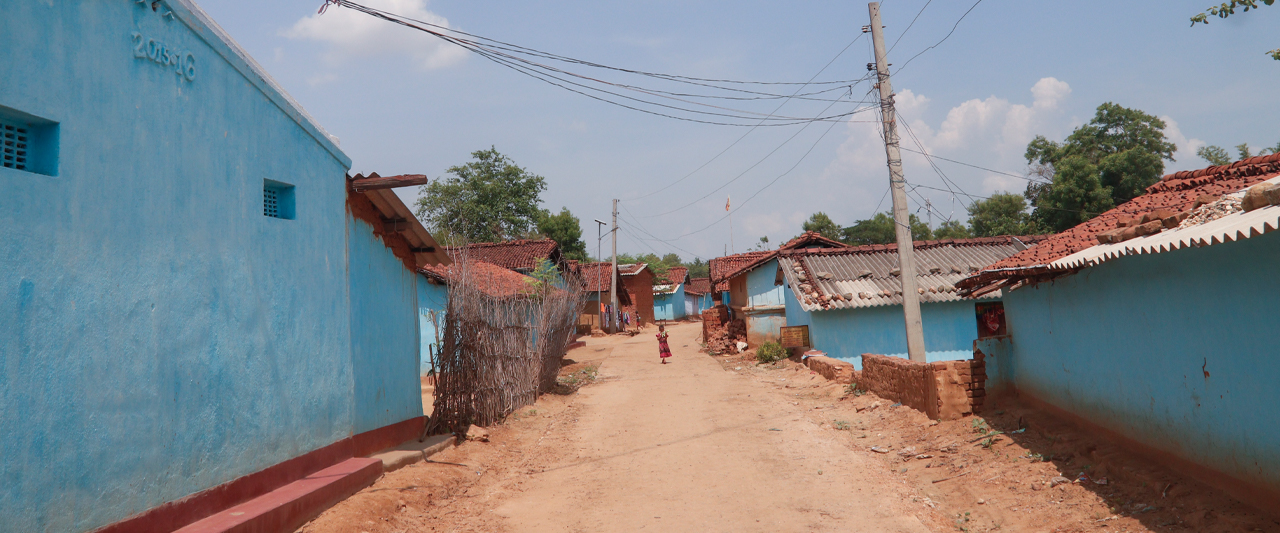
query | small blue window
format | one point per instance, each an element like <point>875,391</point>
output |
<point>28,143</point>
<point>277,200</point>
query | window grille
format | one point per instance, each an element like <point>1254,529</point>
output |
<point>277,200</point>
<point>270,201</point>
<point>13,144</point>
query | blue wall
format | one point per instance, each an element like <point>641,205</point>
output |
<point>669,306</point>
<point>158,334</point>
<point>949,330</point>
<point>384,332</point>
<point>1127,345</point>
<point>761,290</point>
<point>433,299</point>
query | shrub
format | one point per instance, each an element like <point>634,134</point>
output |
<point>771,351</point>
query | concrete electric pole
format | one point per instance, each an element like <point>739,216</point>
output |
<point>897,184</point>
<point>600,224</point>
<point>613,276</point>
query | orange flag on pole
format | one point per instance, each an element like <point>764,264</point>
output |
<point>726,203</point>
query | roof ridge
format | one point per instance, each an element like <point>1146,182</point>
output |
<point>1186,179</point>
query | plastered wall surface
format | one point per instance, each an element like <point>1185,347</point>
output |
<point>384,332</point>
<point>432,301</point>
<point>761,290</point>
<point>1176,350</point>
<point>142,281</point>
<point>949,330</point>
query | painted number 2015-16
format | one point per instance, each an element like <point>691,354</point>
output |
<point>182,62</point>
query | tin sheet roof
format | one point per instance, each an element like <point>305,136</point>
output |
<point>864,276</point>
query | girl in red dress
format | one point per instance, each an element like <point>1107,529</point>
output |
<point>664,351</point>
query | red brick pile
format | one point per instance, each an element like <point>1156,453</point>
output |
<point>943,390</point>
<point>721,334</point>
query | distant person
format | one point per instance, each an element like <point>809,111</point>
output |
<point>664,351</point>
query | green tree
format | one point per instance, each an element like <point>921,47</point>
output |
<point>544,276</point>
<point>1227,9</point>
<point>1124,148</point>
<point>761,245</point>
<point>698,268</point>
<point>953,229</point>
<point>880,230</point>
<point>1215,155</point>
<point>1076,195</point>
<point>1002,214</point>
<point>822,224</point>
<point>489,199</point>
<point>566,230</point>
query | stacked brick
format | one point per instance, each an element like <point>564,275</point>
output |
<point>720,333</point>
<point>943,390</point>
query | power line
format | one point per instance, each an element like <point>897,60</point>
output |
<point>744,135</point>
<point>913,23</point>
<point>935,45</point>
<point>1010,174</point>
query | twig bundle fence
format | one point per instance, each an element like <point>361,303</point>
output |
<point>501,347</point>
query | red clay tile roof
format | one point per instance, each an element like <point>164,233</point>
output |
<point>631,269</point>
<point>676,275</point>
<point>698,286</point>
<point>519,255</point>
<point>490,279</point>
<point>1175,192</point>
<point>721,267</point>
<point>595,278</point>
<point>809,239</point>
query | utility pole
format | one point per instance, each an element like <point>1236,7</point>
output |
<point>613,276</point>
<point>599,286</point>
<point>928,210</point>
<point>897,184</point>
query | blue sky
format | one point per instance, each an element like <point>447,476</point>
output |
<point>403,102</point>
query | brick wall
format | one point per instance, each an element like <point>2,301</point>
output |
<point>943,390</point>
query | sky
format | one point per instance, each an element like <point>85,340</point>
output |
<point>402,101</point>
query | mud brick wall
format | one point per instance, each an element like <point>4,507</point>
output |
<point>943,390</point>
<point>961,386</point>
<point>714,319</point>
<point>901,380</point>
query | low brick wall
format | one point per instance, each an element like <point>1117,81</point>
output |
<point>943,390</point>
<point>714,319</point>
<point>832,369</point>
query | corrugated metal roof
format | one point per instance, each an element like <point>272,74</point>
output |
<point>1230,228</point>
<point>864,278</point>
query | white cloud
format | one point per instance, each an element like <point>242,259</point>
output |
<point>351,34</point>
<point>1185,157</point>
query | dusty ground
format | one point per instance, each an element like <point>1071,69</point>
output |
<point>722,444</point>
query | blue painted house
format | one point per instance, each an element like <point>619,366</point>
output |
<point>699,293</point>
<point>851,298</point>
<point>193,293</point>
<point>669,297</point>
<point>1160,332</point>
<point>754,294</point>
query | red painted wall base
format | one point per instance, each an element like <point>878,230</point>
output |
<point>178,513</point>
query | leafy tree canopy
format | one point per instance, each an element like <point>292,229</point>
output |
<point>953,229</point>
<point>822,224</point>
<point>1216,155</point>
<point>489,199</point>
<point>1110,160</point>
<point>880,230</point>
<point>1002,214</point>
<point>1226,9</point>
<point>566,230</point>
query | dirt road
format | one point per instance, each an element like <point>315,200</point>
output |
<point>686,446</point>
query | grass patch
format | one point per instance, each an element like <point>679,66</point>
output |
<point>770,352</point>
<point>569,383</point>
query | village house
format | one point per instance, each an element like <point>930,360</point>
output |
<point>669,296</point>
<point>520,255</point>
<point>635,294</point>
<point>1150,321</point>
<point>698,291</point>
<point>205,307</point>
<point>753,294</point>
<point>851,298</point>
<point>597,282</point>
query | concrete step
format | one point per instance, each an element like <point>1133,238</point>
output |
<point>412,452</point>
<point>289,507</point>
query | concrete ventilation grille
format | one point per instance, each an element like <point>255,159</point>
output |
<point>270,202</point>
<point>14,139</point>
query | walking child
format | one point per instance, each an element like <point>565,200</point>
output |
<point>664,351</point>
